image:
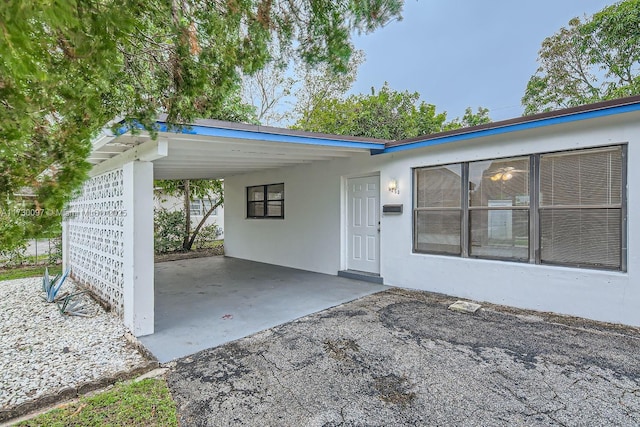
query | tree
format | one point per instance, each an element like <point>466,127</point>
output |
<point>469,119</point>
<point>265,90</point>
<point>589,61</point>
<point>385,114</point>
<point>321,82</point>
<point>69,67</point>
<point>271,89</point>
<point>190,190</point>
<point>235,110</point>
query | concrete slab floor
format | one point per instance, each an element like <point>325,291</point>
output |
<point>205,302</point>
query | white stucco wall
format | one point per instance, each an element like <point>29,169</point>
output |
<point>311,236</point>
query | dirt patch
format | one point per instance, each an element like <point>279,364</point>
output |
<point>341,349</point>
<point>394,389</point>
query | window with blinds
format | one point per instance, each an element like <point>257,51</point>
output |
<point>438,212</point>
<point>581,207</point>
<point>565,208</point>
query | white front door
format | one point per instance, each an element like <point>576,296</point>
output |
<point>363,224</point>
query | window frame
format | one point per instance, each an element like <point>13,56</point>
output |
<point>202,207</point>
<point>534,211</point>
<point>460,209</point>
<point>265,201</point>
<point>621,207</point>
<point>512,208</point>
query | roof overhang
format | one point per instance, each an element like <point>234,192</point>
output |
<point>213,149</point>
<point>568,115</point>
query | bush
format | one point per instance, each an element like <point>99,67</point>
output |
<point>168,230</point>
<point>14,257</point>
<point>55,254</point>
<point>206,236</point>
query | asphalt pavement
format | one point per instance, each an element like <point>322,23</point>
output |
<point>400,357</point>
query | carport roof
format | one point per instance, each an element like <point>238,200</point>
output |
<point>215,149</point>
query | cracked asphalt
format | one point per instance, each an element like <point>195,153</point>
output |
<point>401,358</point>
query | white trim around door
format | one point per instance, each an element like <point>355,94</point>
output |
<point>363,224</point>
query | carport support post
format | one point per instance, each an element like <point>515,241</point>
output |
<point>138,247</point>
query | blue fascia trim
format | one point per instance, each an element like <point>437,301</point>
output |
<point>263,136</point>
<point>514,128</point>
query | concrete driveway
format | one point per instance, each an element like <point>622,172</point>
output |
<point>205,302</point>
<point>401,358</point>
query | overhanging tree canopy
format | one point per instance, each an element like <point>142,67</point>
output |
<point>590,61</point>
<point>68,67</point>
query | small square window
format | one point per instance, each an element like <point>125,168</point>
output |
<point>265,201</point>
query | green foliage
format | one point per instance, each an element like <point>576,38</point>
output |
<point>168,230</point>
<point>189,190</point>
<point>55,255</point>
<point>70,67</point>
<point>206,236</point>
<point>198,188</point>
<point>386,114</point>
<point>590,61</point>
<point>319,83</point>
<point>469,119</point>
<point>14,257</point>
<point>144,403</point>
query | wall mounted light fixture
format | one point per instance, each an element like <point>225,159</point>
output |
<point>393,186</point>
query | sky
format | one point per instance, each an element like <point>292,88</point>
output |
<point>465,53</point>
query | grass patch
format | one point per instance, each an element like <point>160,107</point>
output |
<point>30,271</point>
<point>145,403</point>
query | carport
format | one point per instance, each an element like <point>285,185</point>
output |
<point>108,235</point>
<point>205,302</point>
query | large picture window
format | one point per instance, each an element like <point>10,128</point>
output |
<point>265,201</point>
<point>562,208</point>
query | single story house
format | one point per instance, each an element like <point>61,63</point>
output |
<point>538,212</point>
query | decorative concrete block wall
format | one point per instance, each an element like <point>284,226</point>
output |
<point>108,242</point>
<point>95,239</point>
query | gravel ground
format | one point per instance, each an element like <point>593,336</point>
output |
<point>44,352</point>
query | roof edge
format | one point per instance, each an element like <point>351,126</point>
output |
<point>235,126</point>
<point>581,112</point>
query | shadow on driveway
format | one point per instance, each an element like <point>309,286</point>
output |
<point>401,358</point>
